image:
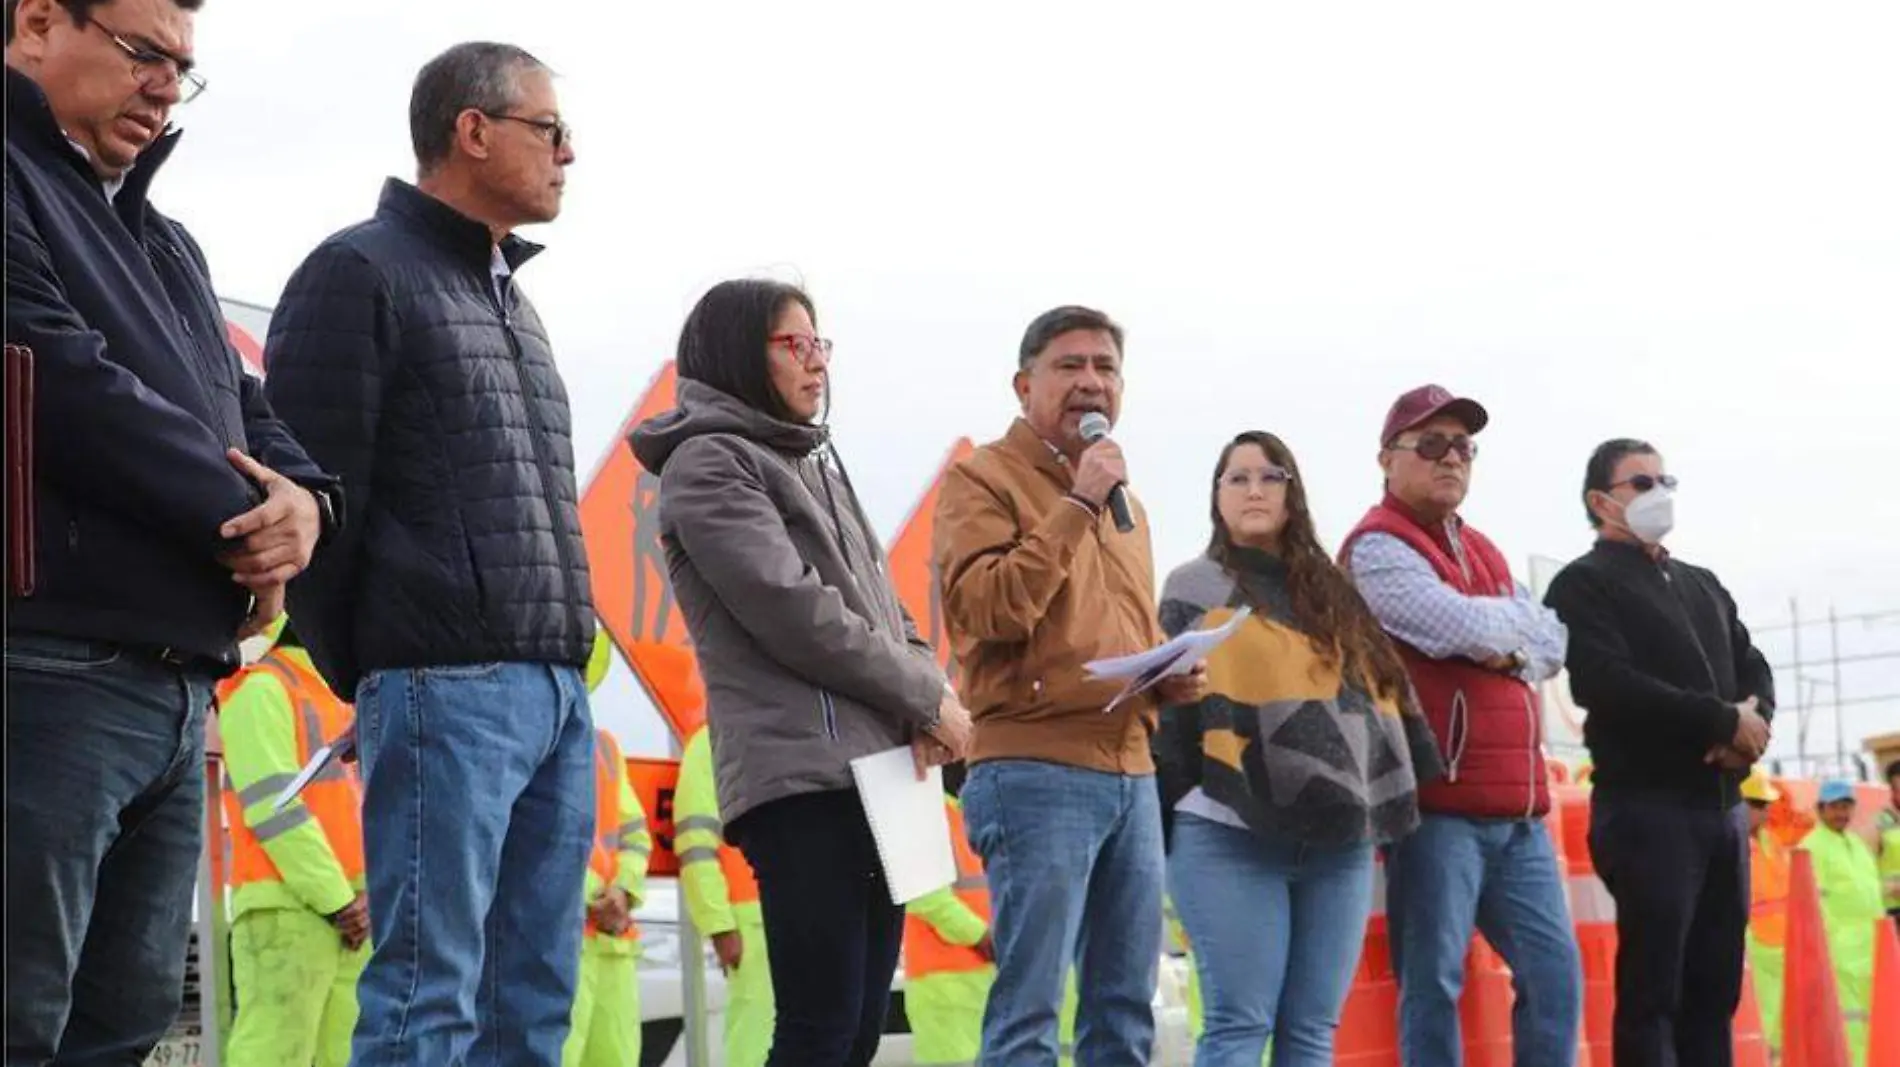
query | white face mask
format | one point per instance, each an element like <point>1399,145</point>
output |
<point>1651,516</point>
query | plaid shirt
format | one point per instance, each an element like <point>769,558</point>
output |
<point>1417,607</point>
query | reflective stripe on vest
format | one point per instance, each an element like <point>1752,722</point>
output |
<point>609,831</point>
<point>1590,900</point>
<point>925,951</point>
<point>332,798</point>
<point>742,886</point>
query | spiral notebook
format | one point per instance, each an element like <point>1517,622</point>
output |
<point>908,822</point>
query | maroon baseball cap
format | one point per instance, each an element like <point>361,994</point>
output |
<point>1428,402</point>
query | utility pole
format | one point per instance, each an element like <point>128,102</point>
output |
<point>1840,726</point>
<point>1800,704</point>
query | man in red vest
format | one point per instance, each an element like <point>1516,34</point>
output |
<point>1475,643</point>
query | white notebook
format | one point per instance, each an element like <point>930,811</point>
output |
<point>908,821</point>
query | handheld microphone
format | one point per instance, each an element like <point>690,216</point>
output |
<point>1094,427</point>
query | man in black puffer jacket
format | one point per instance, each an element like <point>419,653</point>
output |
<point>456,606</point>
<point>150,444</point>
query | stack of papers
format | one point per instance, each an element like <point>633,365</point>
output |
<point>320,760</point>
<point>1143,670</point>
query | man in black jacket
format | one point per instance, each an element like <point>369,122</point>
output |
<point>1677,702</point>
<point>167,516</point>
<point>456,604</point>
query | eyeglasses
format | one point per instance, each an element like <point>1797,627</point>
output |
<point>803,348</point>
<point>156,70</point>
<point>1435,446</point>
<point>1643,483</point>
<point>1249,479</point>
<point>556,133</point>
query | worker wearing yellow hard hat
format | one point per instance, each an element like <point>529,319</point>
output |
<point>1768,905</point>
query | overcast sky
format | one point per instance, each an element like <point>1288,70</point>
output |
<point>1678,222</point>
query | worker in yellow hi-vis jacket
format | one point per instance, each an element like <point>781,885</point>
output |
<point>606,1021</point>
<point>722,898</point>
<point>949,964</point>
<point>300,921</point>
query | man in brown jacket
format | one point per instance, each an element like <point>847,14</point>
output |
<point>1037,581</point>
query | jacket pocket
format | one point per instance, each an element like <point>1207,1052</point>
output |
<point>477,585</point>
<point>828,715</point>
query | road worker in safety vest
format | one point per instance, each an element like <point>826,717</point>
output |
<point>300,919</point>
<point>605,1031</point>
<point>722,898</point>
<point>1849,881</point>
<point>1888,824</point>
<point>949,963</point>
<point>1768,904</point>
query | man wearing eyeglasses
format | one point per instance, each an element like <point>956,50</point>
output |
<point>1474,643</point>
<point>1677,700</point>
<point>168,509</point>
<point>457,610</point>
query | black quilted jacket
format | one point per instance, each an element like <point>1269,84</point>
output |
<point>435,398</point>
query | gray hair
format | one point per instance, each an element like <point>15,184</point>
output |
<point>476,74</point>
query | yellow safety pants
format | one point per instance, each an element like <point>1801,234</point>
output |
<point>946,1016</point>
<point>751,1011</point>
<point>295,986</point>
<point>606,1027</point>
<point>1769,967</point>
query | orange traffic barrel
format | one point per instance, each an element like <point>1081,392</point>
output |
<point>1484,1012</point>
<point>1593,911</point>
<point>1368,1034</point>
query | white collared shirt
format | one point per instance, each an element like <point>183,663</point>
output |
<point>498,270</point>
<point>110,185</point>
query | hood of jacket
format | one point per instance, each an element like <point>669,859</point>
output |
<point>701,409</point>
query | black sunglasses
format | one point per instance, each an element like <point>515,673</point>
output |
<point>1643,483</point>
<point>1435,446</point>
<point>556,132</point>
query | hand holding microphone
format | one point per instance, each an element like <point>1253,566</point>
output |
<point>1102,472</point>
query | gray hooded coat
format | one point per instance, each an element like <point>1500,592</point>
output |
<point>809,659</point>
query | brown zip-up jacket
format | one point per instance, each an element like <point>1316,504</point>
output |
<point>1034,586</point>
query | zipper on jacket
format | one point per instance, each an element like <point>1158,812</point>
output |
<point>828,712</point>
<point>535,433</point>
<point>1456,738</point>
<point>1536,748</point>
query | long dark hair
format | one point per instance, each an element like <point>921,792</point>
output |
<point>1326,608</point>
<point>725,340</point>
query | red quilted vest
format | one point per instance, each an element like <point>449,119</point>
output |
<point>1489,726</point>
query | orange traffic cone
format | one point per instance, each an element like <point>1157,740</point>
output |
<point>1883,1035</point>
<point>1812,1031</point>
<point>1751,1047</point>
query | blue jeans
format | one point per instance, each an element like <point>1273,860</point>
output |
<point>1501,876</point>
<point>478,813</point>
<point>1276,929</point>
<point>105,822</point>
<point>1075,871</point>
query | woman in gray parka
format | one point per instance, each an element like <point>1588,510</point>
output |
<point>808,658</point>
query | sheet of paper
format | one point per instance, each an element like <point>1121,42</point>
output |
<point>908,821</point>
<point>320,760</point>
<point>1142,670</point>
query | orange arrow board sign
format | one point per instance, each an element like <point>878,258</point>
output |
<point>620,522</point>
<point>911,568</point>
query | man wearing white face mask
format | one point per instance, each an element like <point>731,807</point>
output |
<point>1677,701</point>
